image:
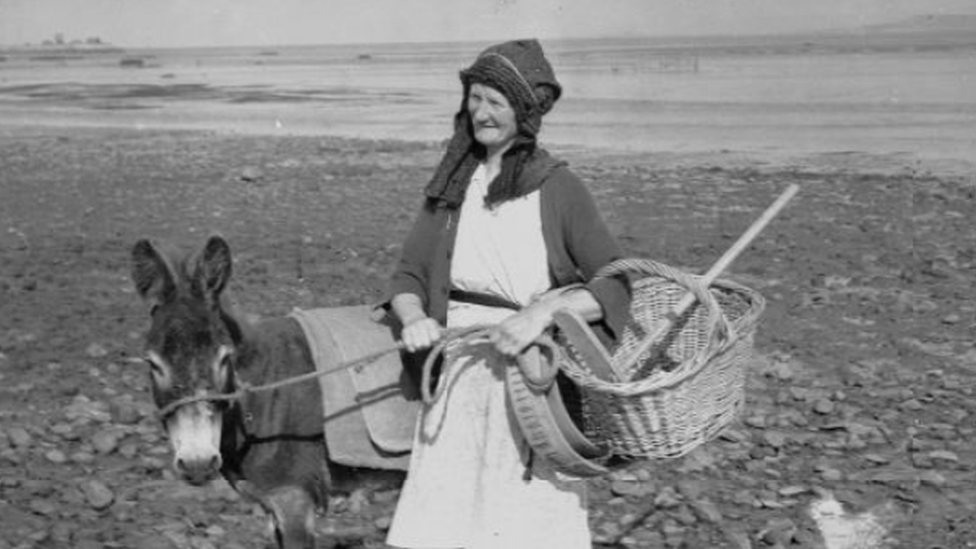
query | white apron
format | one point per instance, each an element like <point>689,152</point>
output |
<point>466,487</point>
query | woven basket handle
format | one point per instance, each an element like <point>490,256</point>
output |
<point>706,280</point>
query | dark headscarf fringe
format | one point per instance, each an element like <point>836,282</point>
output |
<point>520,71</point>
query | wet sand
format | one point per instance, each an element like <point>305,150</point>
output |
<point>876,111</point>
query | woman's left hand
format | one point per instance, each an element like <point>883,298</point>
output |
<point>518,331</point>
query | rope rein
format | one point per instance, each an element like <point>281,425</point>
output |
<point>247,389</point>
<point>468,334</point>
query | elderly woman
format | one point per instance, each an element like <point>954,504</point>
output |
<point>503,229</point>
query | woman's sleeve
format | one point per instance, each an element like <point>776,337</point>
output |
<point>592,246</point>
<point>412,274</point>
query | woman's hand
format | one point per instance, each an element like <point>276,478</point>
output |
<point>419,330</point>
<point>421,334</point>
<point>518,331</point>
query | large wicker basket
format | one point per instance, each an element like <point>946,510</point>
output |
<point>690,384</point>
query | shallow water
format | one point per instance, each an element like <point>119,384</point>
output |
<point>765,101</point>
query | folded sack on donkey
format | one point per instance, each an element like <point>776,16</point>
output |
<point>216,378</point>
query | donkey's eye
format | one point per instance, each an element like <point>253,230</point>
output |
<point>155,369</point>
<point>223,365</point>
<point>158,369</point>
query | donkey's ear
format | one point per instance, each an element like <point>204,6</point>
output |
<point>152,273</point>
<point>214,265</point>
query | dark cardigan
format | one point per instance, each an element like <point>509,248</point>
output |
<point>578,244</point>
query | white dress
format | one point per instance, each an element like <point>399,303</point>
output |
<point>466,487</point>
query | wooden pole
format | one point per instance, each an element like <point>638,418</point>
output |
<point>709,277</point>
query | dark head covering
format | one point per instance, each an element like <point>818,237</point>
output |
<point>519,70</point>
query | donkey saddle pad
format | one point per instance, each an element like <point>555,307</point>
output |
<point>371,408</point>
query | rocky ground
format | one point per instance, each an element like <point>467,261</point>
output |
<point>862,390</point>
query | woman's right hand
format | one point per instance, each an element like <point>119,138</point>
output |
<point>419,330</point>
<point>421,334</point>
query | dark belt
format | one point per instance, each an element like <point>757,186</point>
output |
<point>487,300</point>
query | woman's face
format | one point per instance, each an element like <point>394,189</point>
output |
<point>492,117</point>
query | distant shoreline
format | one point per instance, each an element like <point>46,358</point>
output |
<point>924,33</point>
<point>61,49</point>
<point>852,41</point>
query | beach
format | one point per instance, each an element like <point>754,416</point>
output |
<point>781,102</point>
<point>310,161</point>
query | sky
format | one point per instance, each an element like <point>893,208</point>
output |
<point>184,23</point>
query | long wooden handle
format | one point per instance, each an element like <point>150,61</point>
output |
<point>709,277</point>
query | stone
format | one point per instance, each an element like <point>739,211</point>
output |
<point>911,405</point>
<point>823,406</point>
<point>932,478</point>
<point>97,494</point>
<point>125,413</point>
<point>774,439</point>
<point>55,456</point>
<point>83,408</point>
<point>44,507</point>
<point>106,441</point>
<point>708,511</point>
<point>944,455</point>
<point>96,350</point>
<point>383,523</point>
<point>626,488</point>
<point>19,437</point>
<point>792,491</point>
<point>83,458</point>
<point>778,531</point>
<point>666,498</point>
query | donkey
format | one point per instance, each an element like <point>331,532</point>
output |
<point>269,445</point>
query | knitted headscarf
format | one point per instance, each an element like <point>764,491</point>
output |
<point>519,70</point>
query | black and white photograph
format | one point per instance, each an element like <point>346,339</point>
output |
<point>487,274</point>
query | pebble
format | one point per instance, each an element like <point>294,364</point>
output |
<point>125,413</point>
<point>708,511</point>
<point>44,507</point>
<point>685,516</point>
<point>82,408</point>
<point>106,441</point>
<point>911,405</point>
<point>129,450</point>
<point>666,498</point>
<point>944,455</point>
<point>755,421</point>
<point>876,459</point>
<point>627,488</point>
<point>96,350</point>
<point>778,531</point>
<point>250,174</point>
<point>775,439</point>
<point>823,406</point>
<point>98,495</point>
<point>792,491</point>
<point>62,532</point>
<point>55,456</point>
<point>831,475</point>
<point>692,489</point>
<point>783,371</point>
<point>932,478</point>
<point>83,458</point>
<point>19,437</point>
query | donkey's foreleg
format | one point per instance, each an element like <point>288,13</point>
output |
<point>293,517</point>
<point>291,513</point>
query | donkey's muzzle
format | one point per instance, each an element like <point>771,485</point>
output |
<point>198,471</point>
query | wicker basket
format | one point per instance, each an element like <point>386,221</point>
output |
<point>690,384</point>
